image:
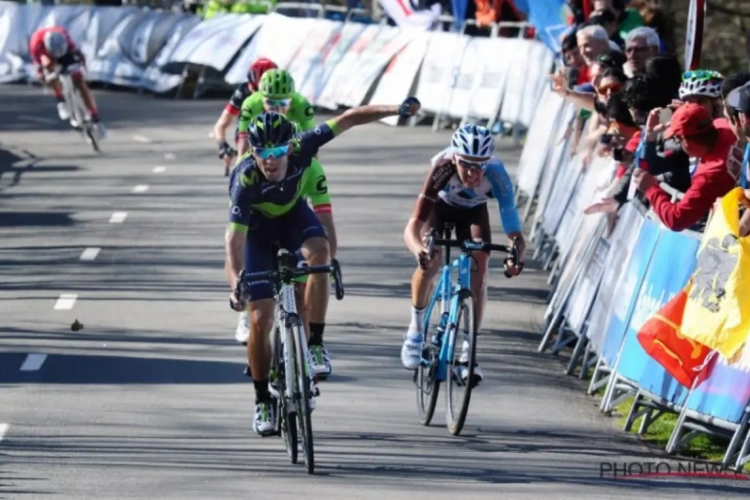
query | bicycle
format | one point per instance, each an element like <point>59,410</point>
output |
<point>289,362</point>
<point>74,101</point>
<point>456,305</point>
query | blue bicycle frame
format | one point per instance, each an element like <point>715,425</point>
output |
<point>449,293</point>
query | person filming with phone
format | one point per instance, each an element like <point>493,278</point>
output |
<point>701,137</point>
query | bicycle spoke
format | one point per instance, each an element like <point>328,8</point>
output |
<point>461,372</point>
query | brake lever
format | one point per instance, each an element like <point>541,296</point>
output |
<point>513,258</point>
<point>337,279</point>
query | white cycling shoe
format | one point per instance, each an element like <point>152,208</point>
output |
<point>264,418</point>
<point>62,111</point>
<point>411,350</point>
<point>243,328</point>
<point>463,371</point>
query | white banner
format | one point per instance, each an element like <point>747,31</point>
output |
<point>488,87</point>
<point>215,42</point>
<point>518,53</point>
<point>279,39</point>
<point>325,64</point>
<point>398,78</point>
<point>440,69</point>
<point>307,66</point>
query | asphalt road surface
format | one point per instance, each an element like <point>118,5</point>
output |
<point>148,400</point>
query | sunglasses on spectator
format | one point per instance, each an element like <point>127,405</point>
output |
<point>472,165</point>
<point>277,103</point>
<point>275,152</point>
<point>613,87</point>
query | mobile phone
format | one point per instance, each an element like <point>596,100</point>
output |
<point>606,138</point>
<point>665,115</point>
<point>618,155</point>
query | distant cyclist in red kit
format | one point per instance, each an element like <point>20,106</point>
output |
<point>53,46</point>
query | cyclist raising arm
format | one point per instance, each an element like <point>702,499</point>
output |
<point>232,109</point>
<point>267,208</point>
<point>463,177</point>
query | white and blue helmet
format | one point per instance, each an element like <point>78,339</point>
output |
<point>473,140</point>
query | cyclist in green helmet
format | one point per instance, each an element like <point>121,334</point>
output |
<point>703,87</point>
<point>276,92</point>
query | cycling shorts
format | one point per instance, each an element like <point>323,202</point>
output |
<point>265,235</point>
<point>469,223</point>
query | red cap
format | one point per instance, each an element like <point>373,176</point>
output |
<point>689,120</point>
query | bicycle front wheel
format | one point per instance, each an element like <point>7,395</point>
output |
<point>461,371</point>
<point>286,420</point>
<point>425,377</point>
<point>302,397</point>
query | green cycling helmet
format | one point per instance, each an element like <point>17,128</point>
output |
<point>702,83</point>
<point>276,84</point>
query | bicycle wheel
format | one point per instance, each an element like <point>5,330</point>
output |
<point>457,405</point>
<point>428,387</point>
<point>286,420</point>
<point>302,398</point>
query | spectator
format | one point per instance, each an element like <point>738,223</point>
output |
<point>654,17</point>
<point>628,19</point>
<point>607,19</point>
<point>577,73</point>
<point>703,88</point>
<point>738,116</point>
<point>607,81</point>
<point>693,128</point>
<point>592,43</point>
<point>613,60</point>
<point>738,105</point>
<point>666,69</point>
<point>641,44</point>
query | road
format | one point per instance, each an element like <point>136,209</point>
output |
<point>149,400</point>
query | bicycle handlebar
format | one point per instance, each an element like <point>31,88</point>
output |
<point>469,246</point>
<point>287,272</point>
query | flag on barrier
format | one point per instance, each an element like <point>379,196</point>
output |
<point>717,312</point>
<point>661,338</point>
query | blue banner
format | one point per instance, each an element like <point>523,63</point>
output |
<point>672,263</point>
<point>550,18</point>
<point>724,394</point>
<point>627,291</point>
<point>459,13</point>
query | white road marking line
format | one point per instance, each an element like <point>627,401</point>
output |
<point>169,156</point>
<point>33,362</point>
<point>140,188</point>
<point>90,253</point>
<point>159,170</point>
<point>140,138</point>
<point>66,301</point>
<point>36,119</point>
<point>3,430</point>
<point>118,217</point>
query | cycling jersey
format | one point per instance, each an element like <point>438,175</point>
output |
<point>313,187</point>
<point>444,184</point>
<point>37,48</point>
<point>239,95</point>
<point>252,195</point>
<point>300,112</point>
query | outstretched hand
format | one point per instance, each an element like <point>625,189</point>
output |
<point>409,107</point>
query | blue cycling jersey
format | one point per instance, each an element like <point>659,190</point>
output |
<point>443,183</point>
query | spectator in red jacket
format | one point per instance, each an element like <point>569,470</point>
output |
<point>700,137</point>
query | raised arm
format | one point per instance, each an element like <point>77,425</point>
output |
<point>373,112</point>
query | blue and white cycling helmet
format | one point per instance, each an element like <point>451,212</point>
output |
<point>55,43</point>
<point>473,140</point>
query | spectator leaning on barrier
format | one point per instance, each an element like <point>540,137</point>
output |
<point>641,44</point>
<point>576,71</point>
<point>592,43</point>
<point>663,158</point>
<point>694,129</point>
